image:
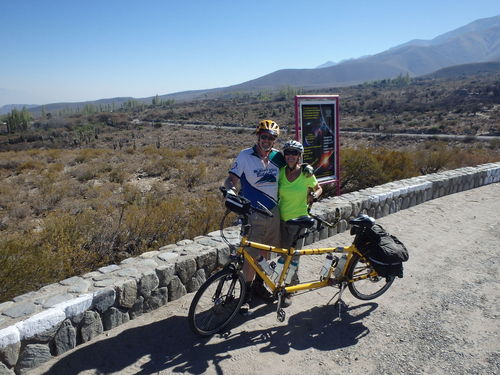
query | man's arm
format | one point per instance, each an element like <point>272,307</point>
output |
<point>231,183</point>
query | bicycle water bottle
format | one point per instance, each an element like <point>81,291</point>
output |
<point>340,267</point>
<point>292,269</point>
<point>265,266</point>
<point>278,269</point>
<point>326,267</point>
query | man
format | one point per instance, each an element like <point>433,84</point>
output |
<point>257,170</point>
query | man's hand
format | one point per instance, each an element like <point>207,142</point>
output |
<point>307,169</point>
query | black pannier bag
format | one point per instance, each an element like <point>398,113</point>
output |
<point>384,251</point>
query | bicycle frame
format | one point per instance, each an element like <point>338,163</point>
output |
<point>289,254</point>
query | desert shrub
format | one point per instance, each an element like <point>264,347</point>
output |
<point>218,151</point>
<point>50,192</point>
<point>20,211</point>
<point>152,223</point>
<point>192,174</point>
<point>192,152</point>
<point>433,159</point>
<point>55,168</point>
<point>159,167</point>
<point>360,169</point>
<point>118,174</point>
<point>53,155</point>
<point>83,173</point>
<point>23,266</point>
<point>8,163</point>
<point>473,156</point>
<point>88,154</point>
<point>82,240</point>
<point>493,144</point>
<point>31,164</point>
<point>396,165</point>
<point>67,245</point>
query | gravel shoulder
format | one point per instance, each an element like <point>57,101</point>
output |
<point>441,318</point>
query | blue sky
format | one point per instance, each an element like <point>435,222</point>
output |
<point>75,50</point>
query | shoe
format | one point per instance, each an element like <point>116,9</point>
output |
<point>262,292</point>
<point>287,301</point>
<point>295,279</point>
<point>244,308</point>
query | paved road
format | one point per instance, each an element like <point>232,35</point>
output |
<point>452,137</point>
<point>441,318</point>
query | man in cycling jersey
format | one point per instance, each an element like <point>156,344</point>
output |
<point>257,170</point>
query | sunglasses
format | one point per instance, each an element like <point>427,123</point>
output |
<point>266,137</point>
<point>291,152</point>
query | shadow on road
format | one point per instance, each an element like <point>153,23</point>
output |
<point>170,345</point>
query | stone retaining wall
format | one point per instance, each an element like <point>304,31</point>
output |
<point>39,325</point>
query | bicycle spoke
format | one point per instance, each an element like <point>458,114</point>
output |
<point>216,302</point>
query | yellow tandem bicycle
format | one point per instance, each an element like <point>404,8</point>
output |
<point>218,300</point>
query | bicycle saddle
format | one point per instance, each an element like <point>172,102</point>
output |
<point>302,221</point>
<point>363,221</point>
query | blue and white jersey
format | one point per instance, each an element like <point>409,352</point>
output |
<point>258,181</point>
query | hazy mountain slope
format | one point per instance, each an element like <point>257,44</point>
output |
<point>466,70</point>
<point>338,75</point>
<point>475,26</point>
<point>465,48</point>
<point>9,107</point>
<point>476,42</point>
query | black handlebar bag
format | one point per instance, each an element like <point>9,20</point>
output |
<point>385,251</point>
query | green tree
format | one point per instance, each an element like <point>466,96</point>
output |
<point>18,120</point>
<point>156,100</point>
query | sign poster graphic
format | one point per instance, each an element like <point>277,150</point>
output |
<point>317,127</point>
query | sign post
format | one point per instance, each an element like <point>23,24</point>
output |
<point>317,128</point>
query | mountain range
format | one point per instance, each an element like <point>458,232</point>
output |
<point>476,42</point>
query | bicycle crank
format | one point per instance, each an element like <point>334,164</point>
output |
<point>280,313</point>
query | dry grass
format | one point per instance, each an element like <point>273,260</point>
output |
<point>68,211</point>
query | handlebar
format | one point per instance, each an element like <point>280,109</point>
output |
<point>243,204</point>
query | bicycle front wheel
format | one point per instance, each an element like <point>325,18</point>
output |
<point>216,302</point>
<point>364,283</point>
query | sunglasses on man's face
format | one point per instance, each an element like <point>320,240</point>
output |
<point>291,152</point>
<point>266,137</point>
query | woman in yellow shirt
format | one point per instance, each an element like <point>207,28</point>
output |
<point>295,191</point>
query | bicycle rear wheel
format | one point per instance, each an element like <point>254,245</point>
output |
<point>216,302</point>
<point>370,285</point>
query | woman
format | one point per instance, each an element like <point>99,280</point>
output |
<point>295,191</point>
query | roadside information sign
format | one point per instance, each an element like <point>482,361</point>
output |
<point>317,128</point>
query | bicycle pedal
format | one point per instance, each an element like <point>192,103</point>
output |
<point>281,315</point>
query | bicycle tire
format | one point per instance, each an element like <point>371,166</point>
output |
<point>216,302</point>
<point>368,288</point>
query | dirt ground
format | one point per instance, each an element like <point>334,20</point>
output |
<point>441,318</point>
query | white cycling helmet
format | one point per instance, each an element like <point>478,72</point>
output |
<point>293,145</point>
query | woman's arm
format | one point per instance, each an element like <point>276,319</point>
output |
<point>314,194</point>
<point>317,190</point>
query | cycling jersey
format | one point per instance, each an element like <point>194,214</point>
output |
<point>258,181</point>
